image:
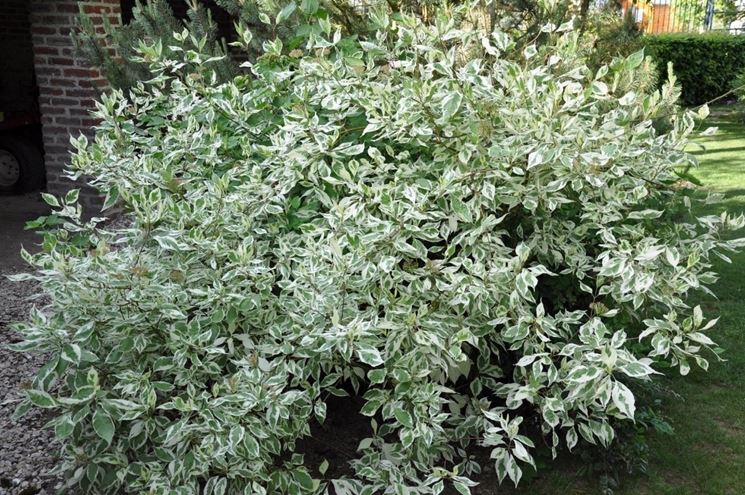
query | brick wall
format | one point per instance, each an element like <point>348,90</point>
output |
<point>17,92</point>
<point>67,87</point>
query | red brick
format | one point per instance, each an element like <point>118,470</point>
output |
<point>56,148</point>
<point>66,85</point>
<point>76,72</point>
<point>79,111</point>
<point>63,138</point>
<point>49,110</point>
<point>63,102</point>
<point>96,9</point>
<point>61,41</point>
<point>55,20</point>
<point>46,50</point>
<point>80,92</point>
<point>43,69</point>
<point>67,8</point>
<point>61,61</point>
<point>99,83</point>
<point>51,129</point>
<point>69,83</point>
<point>68,121</point>
<point>37,29</point>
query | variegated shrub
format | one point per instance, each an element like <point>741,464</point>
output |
<point>488,244</point>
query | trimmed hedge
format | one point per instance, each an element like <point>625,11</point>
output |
<point>705,64</point>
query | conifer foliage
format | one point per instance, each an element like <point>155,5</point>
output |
<point>116,52</point>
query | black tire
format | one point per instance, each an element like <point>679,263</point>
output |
<point>31,163</point>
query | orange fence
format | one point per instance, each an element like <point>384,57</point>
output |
<point>672,16</point>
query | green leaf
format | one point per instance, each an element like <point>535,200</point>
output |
<point>623,399</point>
<point>252,446</point>
<point>584,374</point>
<point>103,425</point>
<point>303,479</point>
<point>64,426</point>
<point>698,316</point>
<point>461,488</point>
<point>72,353</point>
<point>521,453</point>
<point>637,370</point>
<point>236,435</point>
<point>50,199</point>
<point>285,13</point>
<point>451,104</point>
<point>461,209</point>
<point>72,196</point>
<point>319,409</point>
<point>369,355</point>
<point>376,376</point>
<point>309,6</point>
<point>403,417</point>
<point>47,374</point>
<point>571,438</point>
<point>525,283</point>
<point>40,398</point>
<point>635,59</point>
<point>112,197</point>
<point>21,410</point>
<point>370,407</point>
<point>217,485</point>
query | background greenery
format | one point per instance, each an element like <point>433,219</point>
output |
<point>705,64</point>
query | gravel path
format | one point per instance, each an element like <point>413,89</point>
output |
<point>26,449</point>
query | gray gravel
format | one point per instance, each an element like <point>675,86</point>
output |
<point>27,451</point>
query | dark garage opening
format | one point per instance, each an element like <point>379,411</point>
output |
<point>21,161</point>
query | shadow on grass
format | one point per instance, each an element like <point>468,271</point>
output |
<point>700,153</point>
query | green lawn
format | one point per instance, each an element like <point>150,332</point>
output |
<point>706,455</point>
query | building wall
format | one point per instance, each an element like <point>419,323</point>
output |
<point>67,87</point>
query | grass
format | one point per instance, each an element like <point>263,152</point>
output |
<point>706,455</point>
